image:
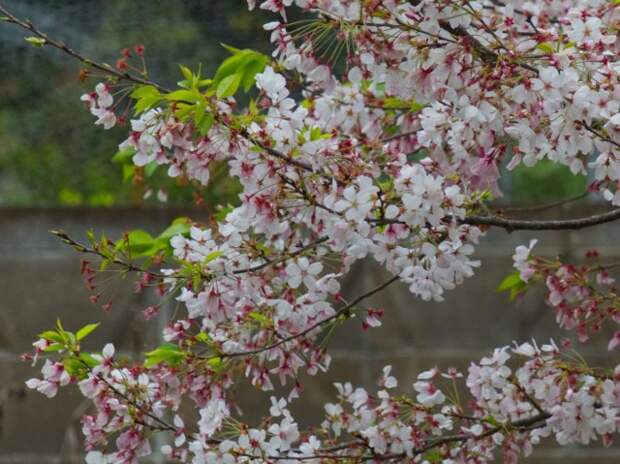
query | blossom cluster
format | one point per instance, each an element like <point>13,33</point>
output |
<point>582,297</point>
<point>513,408</point>
<point>100,105</point>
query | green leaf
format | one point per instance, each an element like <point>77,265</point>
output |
<point>168,353</point>
<point>181,225</point>
<point>74,367</point>
<point>396,103</point>
<point>223,212</point>
<point>212,256</point>
<point>246,62</point>
<point>54,347</point>
<point>183,110</point>
<point>187,73</point>
<point>147,96</point>
<point>215,363</point>
<point>417,107</point>
<point>513,283</point>
<point>511,280</point>
<point>84,331</point>
<point>259,317</point>
<point>252,65</point>
<point>51,336</point>
<point>184,95</point>
<point>393,102</point>
<point>145,104</point>
<point>229,86</point>
<point>433,456</point>
<point>229,66</point>
<point>545,47</point>
<point>128,172</point>
<point>202,337</point>
<point>150,168</point>
<point>137,243</point>
<point>38,41</point>
<point>145,91</point>
<point>317,134</point>
<point>199,112</point>
<point>231,49</point>
<point>124,156</point>
<point>206,123</point>
<point>89,359</point>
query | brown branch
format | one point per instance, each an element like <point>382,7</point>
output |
<point>562,224</point>
<point>531,422</point>
<point>81,248</point>
<point>593,131</point>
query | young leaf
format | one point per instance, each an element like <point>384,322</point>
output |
<point>137,243</point>
<point>512,283</point>
<point>38,41</point>
<point>54,347</point>
<point>169,353</point>
<point>253,64</point>
<point>231,49</point>
<point>545,47</point>
<point>150,168</point>
<point>511,280</point>
<point>187,73</point>
<point>184,95</point>
<point>212,256</point>
<point>84,331</point>
<point>223,212</point>
<point>206,123</point>
<point>124,156</point>
<point>202,337</point>
<point>145,104</point>
<point>51,336</point>
<point>145,91</point>
<point>229,86</point>
<point>230,66</point>
<point>89,359</point>
<point>180,226</point>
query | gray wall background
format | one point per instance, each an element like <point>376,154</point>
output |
<point>40,280</point>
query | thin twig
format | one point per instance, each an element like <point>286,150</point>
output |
<point>316,325</point>
<point>48,41</point>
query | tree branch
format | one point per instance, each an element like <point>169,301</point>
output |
<point>562,224</point>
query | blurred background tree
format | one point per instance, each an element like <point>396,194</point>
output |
<point>50,152</point>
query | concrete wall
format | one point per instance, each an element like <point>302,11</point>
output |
<point>40,281</point>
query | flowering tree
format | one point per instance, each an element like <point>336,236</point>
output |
<point>376,129</point>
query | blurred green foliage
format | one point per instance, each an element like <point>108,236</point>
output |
<point>545,181</point>
<point>50,151</point>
